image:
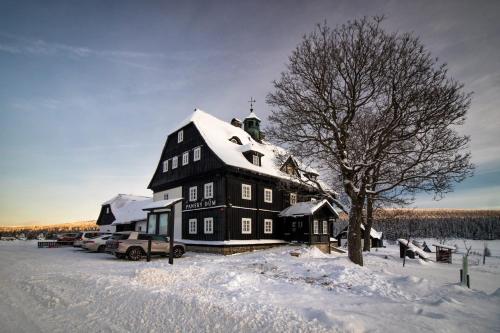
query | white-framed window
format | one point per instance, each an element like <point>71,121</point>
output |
<point>246,192</point>
<point>193,226</point>
<point>293,198</point>
<point>325,227</point>
<point>209,225</point>
<point>180,136</point>
<point>246,225</point>
<point>255,159</point>
<point>165,196</point>
<point>197,154</point>
<point>165,166</point>
<point>175,161</point>
<point>193,193</point>
<point>316,227</point>
<point>268,226</point>
<point>185,158</point>
<point>107,210</point>
<point>268,195</point>
<point>209,191</point>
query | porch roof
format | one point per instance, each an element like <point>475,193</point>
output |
<point>307,208</point>
<point>161,204</point>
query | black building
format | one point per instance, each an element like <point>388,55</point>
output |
<point>231,184</point>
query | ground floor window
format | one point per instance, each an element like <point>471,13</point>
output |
<point>246,226</point>
<point>193,226</point>
<point>325,227</point>
<point>209,225</point>
<point>268,226</point>
<point>316,227</point>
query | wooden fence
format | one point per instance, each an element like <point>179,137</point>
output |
<point>52,244</point>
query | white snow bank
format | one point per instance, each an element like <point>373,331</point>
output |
<point>66,289</point>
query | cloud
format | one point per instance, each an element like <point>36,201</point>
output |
<point>21,45</point>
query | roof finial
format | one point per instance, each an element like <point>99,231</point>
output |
<point>251,101</point>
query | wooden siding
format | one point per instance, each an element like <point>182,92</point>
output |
<point>105,218</point>
<point>218,214</point>
<point>173,177</point>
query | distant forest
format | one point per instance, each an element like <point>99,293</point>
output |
<point>32,231</point>
<point>433,223</point>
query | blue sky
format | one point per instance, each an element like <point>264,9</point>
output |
<point>90,89</point>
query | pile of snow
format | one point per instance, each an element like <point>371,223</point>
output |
<point>311,252</point>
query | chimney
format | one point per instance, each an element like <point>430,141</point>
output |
<point>236,122</point>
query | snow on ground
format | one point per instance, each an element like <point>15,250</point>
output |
<point>67,289</point>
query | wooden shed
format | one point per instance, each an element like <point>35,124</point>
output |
<point>443,253</point>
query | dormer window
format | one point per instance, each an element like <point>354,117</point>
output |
<point>180,136</point>
<point>256,160</point>
<point>293,198</point>
<point>236,140</point>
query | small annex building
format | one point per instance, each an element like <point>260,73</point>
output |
<point>308,222</point>
<point>124,212</point>
<point>376,237</point>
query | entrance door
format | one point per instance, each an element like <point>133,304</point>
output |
<point>163,228</point>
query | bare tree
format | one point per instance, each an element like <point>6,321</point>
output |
<point>355,96</point>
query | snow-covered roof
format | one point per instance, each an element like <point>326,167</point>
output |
<point>445,246</point>
<point>373,233</point>
<point>422,254</point>
<point>252,115</point>
<point>161,204</point>
<point>217,134</point>
<point>306,208</point>
<point>127,208</point>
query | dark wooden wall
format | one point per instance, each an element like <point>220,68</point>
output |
<point>173,177</point>
<point>218,214</point>
<point>104,218</point>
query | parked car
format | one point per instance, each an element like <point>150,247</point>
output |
<point>134,245</point>
<point>97,244</point>
<point>69,237</point>
<point>85,235</point>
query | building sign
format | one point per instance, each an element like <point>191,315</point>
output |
<point>201,204</point>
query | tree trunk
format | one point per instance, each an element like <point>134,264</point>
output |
<point>354,232</point>
<point>369,223</point>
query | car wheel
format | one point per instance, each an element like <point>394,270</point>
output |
<point>135,253</point>
<point>178,251</point>
<point>101,248</point>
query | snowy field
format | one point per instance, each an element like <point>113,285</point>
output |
<point>69,290</point>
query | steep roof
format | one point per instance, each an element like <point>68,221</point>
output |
<point>307,208</point>
<point>127,208</point>
<point>217,134</point>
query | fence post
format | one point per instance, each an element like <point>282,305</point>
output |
<point>148,255</point>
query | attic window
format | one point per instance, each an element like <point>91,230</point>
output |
<point>165,166</point>
<point>235,140</point>
<point>180,136</point>
<point>256,160</point>
<point>107,210</point>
